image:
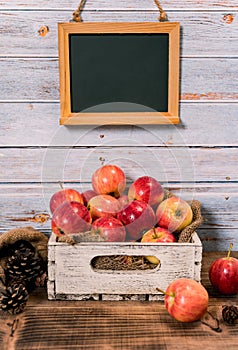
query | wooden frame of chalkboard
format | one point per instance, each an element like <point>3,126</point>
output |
<point>119,73</point>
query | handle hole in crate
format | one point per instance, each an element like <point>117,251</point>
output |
<point>125,263</point>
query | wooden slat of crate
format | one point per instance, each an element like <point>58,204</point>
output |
<point>72,277</point>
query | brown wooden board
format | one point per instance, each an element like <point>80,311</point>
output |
<point>115,325</point>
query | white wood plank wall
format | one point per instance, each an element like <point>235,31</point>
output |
<point>196,159</point>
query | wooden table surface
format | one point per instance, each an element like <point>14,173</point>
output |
<point>116,325</point>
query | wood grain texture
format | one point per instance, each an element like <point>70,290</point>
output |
<point>77,164</point>
<point>29,112</point>
<point>70,268</point>
<point>146,5</point>
<point>45,86</point>
<point>116,325</point>
<point>197,28</point>
<point>37,124</point>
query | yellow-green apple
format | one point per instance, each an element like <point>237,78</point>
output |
<point>67,194</point>
<point>110,229</point>
<point>157,235</point>
<point>223,274</point>
<point>186,300</point>
<point>87,195</point>
<point>109,179</point>
<point>146,189</point>
<point>174,214</point>
<point>70,217</point>
<point>137,216</point>
<point>103,205</point>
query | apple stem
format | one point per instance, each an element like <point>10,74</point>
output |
<point>229,251</point>
<point>161,291</point>
<point>61,185</point>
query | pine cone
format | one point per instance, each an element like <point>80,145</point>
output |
<point>14,298</point>
<point>230,314</point>
<point>23,265</point>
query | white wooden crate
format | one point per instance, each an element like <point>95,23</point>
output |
<point>72,277</point>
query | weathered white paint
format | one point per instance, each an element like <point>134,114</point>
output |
<point>197,28</point>
<point>31,139</point>
<point>71,270</point>
<point>45,86</point>
<point>103,5</point>
<point>202,124</point>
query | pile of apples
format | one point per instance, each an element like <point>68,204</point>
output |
<point>140,213</point>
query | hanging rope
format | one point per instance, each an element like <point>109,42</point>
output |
<point>77,13</point>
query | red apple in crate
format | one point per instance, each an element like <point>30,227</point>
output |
<point>174,214</point>
<point>157,235</point>
<point>146,189</point>
<point>223,274</point>
<point>87,195</point>
<point>71,217</point>
<point>110,229</point>
<point>109,179</point>
<point>186,300</point>
<point>67,194</point>
<point>103,205</point>
<point>138,217</point>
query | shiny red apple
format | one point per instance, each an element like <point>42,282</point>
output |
<point>174,214</point>
<point>223,274</point>
<point>67,194</point>
<point>138,217</point>
<point>70,217</point>
<point>103,205</point>
<point>158,234</point>
<point>109,179</point>
<point>87,195</point>
<point>146,189</point>
<point>186,300</point>
<point>110,229</point>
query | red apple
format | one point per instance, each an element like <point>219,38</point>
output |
<point>109,179</point>
<point>110,229</point>
<point>138,217</point>
<point>146,189</point>
<point>158,234</point>
<point>87,195</point>
<point>67,194</point>
<point>186,300</point>
<point>174,214</point>
<point>71,217</point>
<point>103,205</point>
<point>223,274</point>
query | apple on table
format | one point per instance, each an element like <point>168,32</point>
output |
<point>186,300</point>
<point>223,274</point>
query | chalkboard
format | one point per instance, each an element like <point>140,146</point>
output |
<point>119,73</point>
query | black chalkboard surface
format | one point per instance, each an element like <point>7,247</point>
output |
<point>131,65</point>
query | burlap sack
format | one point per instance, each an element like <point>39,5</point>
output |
<point>37,239</point>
